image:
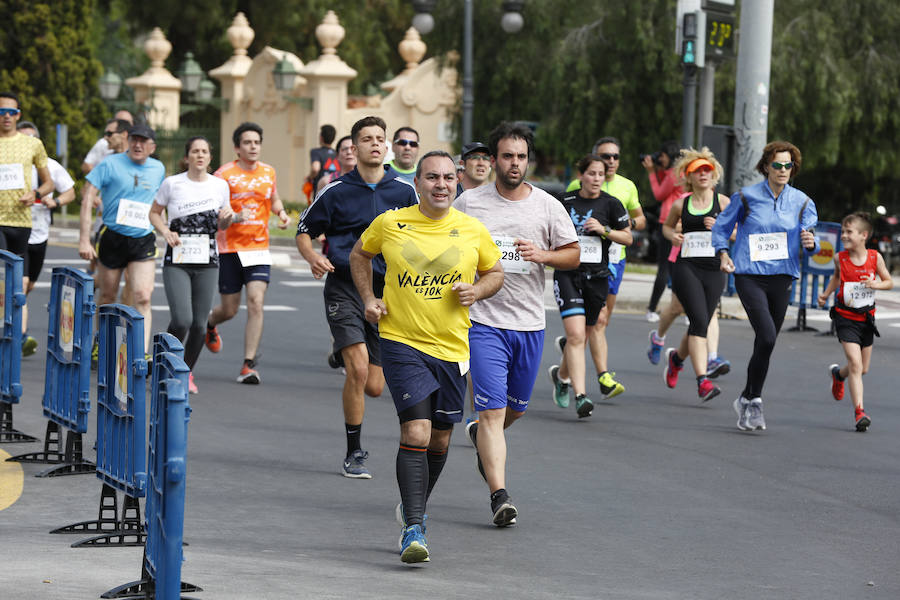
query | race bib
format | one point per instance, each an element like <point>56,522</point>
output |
<point>194,250</point>
<point>510,259</point>
<point>697,244</point>
<point>768,246</point>
<point>12,177</point>
<point>591,248</point>
<point>615,253</point>
<point>857,295</point>
<point>252,258</point>
<point>133,214</point>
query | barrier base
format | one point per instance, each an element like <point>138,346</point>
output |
<point>73,463</point>
<point>145,589</point>
<point>9,434</point>
<point>109,523</point>
<point>801,321</point>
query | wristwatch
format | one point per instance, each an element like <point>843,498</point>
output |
<point>606,230</point>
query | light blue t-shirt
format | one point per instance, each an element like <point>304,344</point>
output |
<point>121,180</point>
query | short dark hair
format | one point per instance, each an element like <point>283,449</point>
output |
<point>121,125</point>
<point>327,132</point>
<point>429,155</point>
<point>341,141</point>
<point>865,221</point>
<point>370,121</point>
<point>402,129</point>
<point>587,160</point>
<point>509,129</point>
<point>773,148</point>
<point>190,142</point>
<point>243,128</point>
<point>28,125</point>
<point>607,139</point>
<point>12,96</point>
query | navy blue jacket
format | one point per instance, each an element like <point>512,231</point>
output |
<point>346,207</point>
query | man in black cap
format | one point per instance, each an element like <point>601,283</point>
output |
<point>476,163</point>
<point>126,184</point>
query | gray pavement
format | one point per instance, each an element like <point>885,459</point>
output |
<point>655,496</point>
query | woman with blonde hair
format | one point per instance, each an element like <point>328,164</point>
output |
<point>696,279</point>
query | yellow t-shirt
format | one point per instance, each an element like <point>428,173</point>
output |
<point>17,155</point>
<point>424,259</point>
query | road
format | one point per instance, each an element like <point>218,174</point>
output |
<point>654,497</point>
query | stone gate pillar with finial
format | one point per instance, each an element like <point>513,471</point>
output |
<point>157,89</point>
<point>231,75</point>
<point>327,78</point>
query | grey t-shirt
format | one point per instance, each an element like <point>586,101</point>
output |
<point>541,218</point>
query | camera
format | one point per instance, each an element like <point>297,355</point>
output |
<point>654,157</point>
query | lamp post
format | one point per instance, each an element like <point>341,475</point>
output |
<point>110,84</point>
<point>285,75</point>
<point>511,22</point>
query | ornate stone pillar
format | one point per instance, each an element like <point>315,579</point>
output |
<point>327,78</point>
<point>157,89</point>
<point>231,75</point>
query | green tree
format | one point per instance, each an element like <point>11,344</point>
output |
<point>47,59</point>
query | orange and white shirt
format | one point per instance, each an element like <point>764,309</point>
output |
<point>253,190</point>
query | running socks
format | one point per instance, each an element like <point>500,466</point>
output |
<point>353,434</point>
<point>436,461</point>
<point>250,362</point>
<point>412,477</point>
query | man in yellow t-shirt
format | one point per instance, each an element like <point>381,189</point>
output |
<point>18,153</point>
<point>433,253</point>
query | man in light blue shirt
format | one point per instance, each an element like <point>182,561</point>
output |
<point>127,184</point>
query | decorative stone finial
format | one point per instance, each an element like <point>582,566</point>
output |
<point>157,48</point>
<point>329,33</point>
<point>412,48</point>
<point>240,34</point>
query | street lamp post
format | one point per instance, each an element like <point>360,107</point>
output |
<point>511,22</point>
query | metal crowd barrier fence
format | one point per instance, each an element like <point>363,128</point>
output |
<point>67,376</point>
<point>815,273</point>
<point>121,426</point>
<point>11,302</point>
<point>166,470</point>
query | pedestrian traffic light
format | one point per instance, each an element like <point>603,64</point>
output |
<point>693,37</point>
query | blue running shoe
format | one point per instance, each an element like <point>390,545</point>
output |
<point>414,548</point>
<point>355,465</point>
<point>401,521</point>
<point>654,352</point>
<point>717,366</point>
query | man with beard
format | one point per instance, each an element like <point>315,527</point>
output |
<point>532,230</point>
<point>342,211</point>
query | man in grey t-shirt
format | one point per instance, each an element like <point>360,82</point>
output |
<point>532,230</point>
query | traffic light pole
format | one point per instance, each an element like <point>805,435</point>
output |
<point>688,107</point>
<point>751,96</point>
<point>707,98</point>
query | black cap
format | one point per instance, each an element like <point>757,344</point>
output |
<point>141,130</point>
<point>473,147</point>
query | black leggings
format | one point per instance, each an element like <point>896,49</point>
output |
<point>765,299</point>
<point>698,290</point>
<point>663,268</point>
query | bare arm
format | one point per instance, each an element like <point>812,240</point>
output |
<point>318,264</point>
<point>361,270</point>
<point>886,282</point>
<point>672,219</point>
<point>832,284</point>
<point>489,283</point>
<point>89,196</point>
<point>637,215</point>
<point>565,257</point>
<point>61,200</point>
<point>278,209</point>
<point>159,223</point>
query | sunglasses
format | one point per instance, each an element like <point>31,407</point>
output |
<point>609,156</point>
<point>9,112</point>
<point>779,166</point>
<point>409,143</point>
<point>109,133</point>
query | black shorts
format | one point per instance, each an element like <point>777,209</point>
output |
<point>854,332</point>
<point>15,240</point>
<point>580,293</point>
<point>233,275</point>
<point>414,377</point>
<point>115,251</point>
<point>35,261</point>
<point>347,318</point>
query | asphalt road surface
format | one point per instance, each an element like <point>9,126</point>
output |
<point>654,497</point>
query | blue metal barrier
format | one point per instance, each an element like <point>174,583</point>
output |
<point>815,273</point>
<point>121,429</point>
<point>169,416</point>
<point>67,378</point>
<point>11,302</point>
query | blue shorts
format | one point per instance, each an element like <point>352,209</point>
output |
<point>615,282</point>
<point>505,365</point>
<point>233,275</point>
<point>413,376</point>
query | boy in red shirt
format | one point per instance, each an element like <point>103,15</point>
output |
<point>855,270</point>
